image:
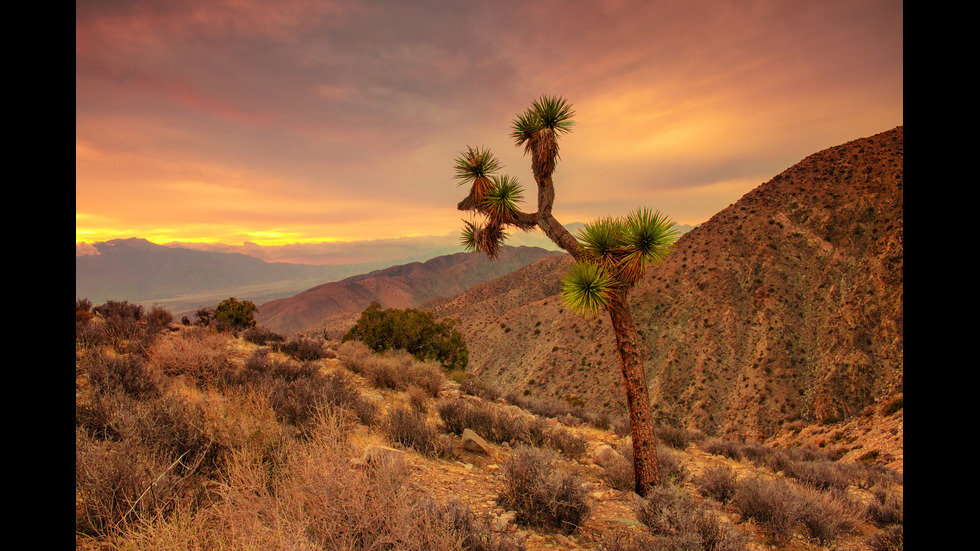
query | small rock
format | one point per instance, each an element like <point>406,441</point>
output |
<point>605,456</point>
<point>501,523</point>
<point>472,442</point>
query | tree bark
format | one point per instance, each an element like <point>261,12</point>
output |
<point>646,469</point>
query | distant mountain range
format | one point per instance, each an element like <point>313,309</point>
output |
<point>183,279</point>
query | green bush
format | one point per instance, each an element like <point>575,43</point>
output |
<point>412,330</point>
<point>237,314</point>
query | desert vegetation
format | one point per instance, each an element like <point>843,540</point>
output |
<point>190,436</point>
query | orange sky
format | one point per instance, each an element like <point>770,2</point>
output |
<point>302,121</point>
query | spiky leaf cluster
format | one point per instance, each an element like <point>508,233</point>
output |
<point>620,250</point>
<point>587,288</point>
<point>537,129</point>
<point>500,203</point>
<point>485,238</point>
<point>476,167</point>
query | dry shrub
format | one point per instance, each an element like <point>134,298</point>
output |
<point>299,391</point>
<point>718,483</point>
<point>567,442</point>
<point>684,522</point>
<point>302,348</point>
<point>889,539</point>
<point>409,427</point>
<point>117,484</point>
<point>826,515</point>
<point>620,473</point>
<point>724,447</point>
<point>887,507</point>
<point>127,373</point>
<point>775,504</point>
<point>479,388</point>
<point>779,506</point>
<point>677,438</point>
<point>542,493</point>
<point>198,355</point>
<point>820,474</point>
<point>490,421</point>
<point>394,369</point>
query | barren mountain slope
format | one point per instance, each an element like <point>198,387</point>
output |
<point>786,306</point>
<point>401,286</point>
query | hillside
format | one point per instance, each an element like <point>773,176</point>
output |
<point>784,309</point>
<point>248,446</point>
<point>337,304</point>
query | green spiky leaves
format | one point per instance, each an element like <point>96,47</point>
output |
<point>587,288</point>
<point>537,129</point>
<point>626,247</point>
<point>548,112</point>
<point>476,167</point>
<point>500,203</point>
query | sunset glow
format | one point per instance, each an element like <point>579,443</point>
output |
<point>304,121</point>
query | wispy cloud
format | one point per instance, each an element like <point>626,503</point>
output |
<point>311,120</point>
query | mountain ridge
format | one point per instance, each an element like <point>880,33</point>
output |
<point>334,306</point>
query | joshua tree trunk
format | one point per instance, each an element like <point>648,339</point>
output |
<point>646,470</point>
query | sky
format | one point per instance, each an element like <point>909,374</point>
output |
<point>334,124</point>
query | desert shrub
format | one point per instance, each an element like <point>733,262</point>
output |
<point>775,504</point>
<point>311,497</point>
<point>542,493</point>
<point>889,539</point>
<point>197,355</point>
<point>127,373</point>
<point>677,438</point>
<point>826,515</point>
<point>478,387</point>
<point>718,483</point>
<point>820,474</point>
<point>723,447</point>
<point>475,533</point>
<point>567,442</point>
<point>414,331</point>
<point>409,427</point>
<point>298,391</point>
<point>262,336</point>
<point>396,370</point>
<point>238,314</point>
<point>83,310</point>
<point>123,325</point>
<point>301,348</point>
<point>418,399</point>
<point>117,484</point>
<point>488,420</point>
<point>174,427</point>
<point>684,522</point>
<point>158,319</point>
<point>627,540</point>
<point>670,464</point>
<point>886,508</point>
<point>618,471</point>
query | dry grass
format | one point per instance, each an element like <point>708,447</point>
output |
<point>204,440</point>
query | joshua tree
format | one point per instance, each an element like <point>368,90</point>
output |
<point>611,254</point>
